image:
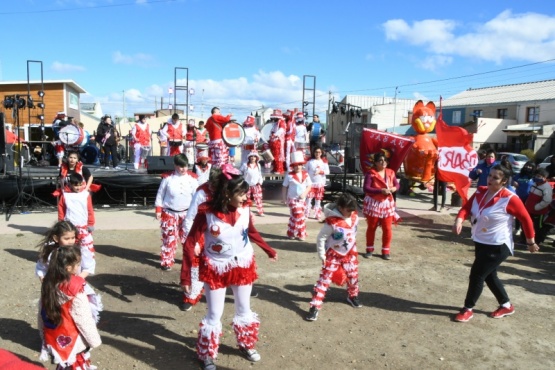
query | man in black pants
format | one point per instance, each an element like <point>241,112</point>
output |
<point>109,137</point>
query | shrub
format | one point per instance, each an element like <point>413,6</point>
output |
<point>529,153</point>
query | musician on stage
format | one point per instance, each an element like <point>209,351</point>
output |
<point>289,136</point>
<point>203,133</point>
<point>277,137</point>
<point>217,149</point>
<point>173,133</point>
<point>316,133</point>
<point>252,137</point>
<point>58,123</point>
<point>192,137</point>
<point>141,139</point>
<point>109,137</point>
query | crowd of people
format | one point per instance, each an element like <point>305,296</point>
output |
<point>207,210</point>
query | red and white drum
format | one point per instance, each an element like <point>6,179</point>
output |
<point>71,135</point>
<point>233,134</point>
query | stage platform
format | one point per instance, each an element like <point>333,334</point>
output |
<point>125,187</point>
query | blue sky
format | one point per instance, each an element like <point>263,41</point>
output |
<point>247,54</point>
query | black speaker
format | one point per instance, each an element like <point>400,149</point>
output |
<point>159,164</point>
<point>353,165</point>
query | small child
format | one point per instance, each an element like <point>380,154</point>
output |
<point>336,244</point>
<point>253,175</point>
<point>537,203</point>
<point>296,186</point>
<point>62,234</point>
<point>76,207</point>
<point>65,321</point>
<point>202,167</point>
<point>60,151</point>
<point>317,169</point>
<point>172,202</point>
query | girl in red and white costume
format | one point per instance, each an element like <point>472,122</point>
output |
<point>252,137</point>
<point>74,165</point>
<point>65,321</point>
<point>253,176</point>
<point>227,260</point>
<point>141,137</point>
<point>173,133</point>
<point>317,169</point>
<point>296,186</point>
<point>172,202</point>
<point>277,138</point>
<point>336,244</point>
<point>379,205</point>
<point>75,206</point>
<point>217,149</point>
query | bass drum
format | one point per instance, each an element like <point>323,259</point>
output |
<point>266,132</point>
<point>71,135</point>
<point>233,134</point>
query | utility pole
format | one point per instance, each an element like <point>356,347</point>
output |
<point>395,107</point>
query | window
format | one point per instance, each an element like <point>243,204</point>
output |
<point>502,113</point>
<point>456,119</point>
<point>477,113</point>
<point>533,114</point>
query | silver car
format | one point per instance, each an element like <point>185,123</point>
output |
<point>515,159</point>
<point>546,162</point>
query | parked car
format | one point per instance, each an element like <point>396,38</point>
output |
<point>546,162</point>
<point>515,159</point>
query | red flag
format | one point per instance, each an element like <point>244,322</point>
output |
<point>456,156</point>
<point>372,141</point>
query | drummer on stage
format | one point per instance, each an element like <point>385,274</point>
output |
<point>252,137</point>
<point>289,136</point>
<point>217,148</point>
<point>173,133</point>
<point>141,138</point>
<point>192,137</point>
<point>277,137</point>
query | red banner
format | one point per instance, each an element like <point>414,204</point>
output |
<point>456,156</point>
<point>373,141</point>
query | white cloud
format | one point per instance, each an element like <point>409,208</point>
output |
<point>141,59</point>
<point>66,67</point>
<point>239,96</point>
<point>508,36</point>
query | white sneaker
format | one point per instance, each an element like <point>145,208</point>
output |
<point>251,354</point>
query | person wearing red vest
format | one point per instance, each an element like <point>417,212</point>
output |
<point>173,133</point>
<point>337,249</point>
<point>379,205</point>
<point>277,138</point>
<point>217,149</point>
<point>141,140</point>
<point>537,203</point>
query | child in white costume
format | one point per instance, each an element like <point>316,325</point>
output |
<point>226,260</point>
<point>317,169</point>
<point>253,175</point>
<point>336,244</point>
<point>296,186</point>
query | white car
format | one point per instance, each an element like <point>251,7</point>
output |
<point>515,159</point>
<point>546,162</point>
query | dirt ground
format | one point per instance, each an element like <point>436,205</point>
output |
<point>406,321</point>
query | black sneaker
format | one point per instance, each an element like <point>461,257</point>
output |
<point>367,255</point>
<point>354,302</point>
<point>208,364</point>
<point>186,306</point>
<point>312,314</point>
<point>165,268</point>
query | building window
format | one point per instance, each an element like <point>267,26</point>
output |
<point>533,114</point>
<point>477,113</point>
<point>502,113</point>
<point>456,117</point>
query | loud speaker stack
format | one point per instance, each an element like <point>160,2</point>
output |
<point>159,164</point>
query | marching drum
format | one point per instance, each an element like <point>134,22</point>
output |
<point>233,134</point>
<point>175,143</point>
<point>267,155</point>
<point>266,132</point>
<point>145,152</point>
<point>71,135</point>
<point>202,146</point>
<point>301,146</point>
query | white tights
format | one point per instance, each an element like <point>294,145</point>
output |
<point>215,300</point>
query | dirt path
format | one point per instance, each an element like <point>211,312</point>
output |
<point>406,321</point>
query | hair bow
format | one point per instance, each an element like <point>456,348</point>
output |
<point>228,170</point>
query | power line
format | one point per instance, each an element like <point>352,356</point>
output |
<point>84,7</point>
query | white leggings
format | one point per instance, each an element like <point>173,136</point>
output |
<point>215,300</point>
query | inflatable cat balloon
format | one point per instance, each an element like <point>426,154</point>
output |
<point>421,159</point>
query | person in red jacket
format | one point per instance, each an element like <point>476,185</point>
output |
<point>226,260</point>
<point>217,149</point>
<point>141,138</point>
<point>75,205</point>
<point>491,210</point>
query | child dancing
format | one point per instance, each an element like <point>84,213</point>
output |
<point>253,175</point>
<point>226,260</point>
<point>336,244</point>
<point>296,186</point>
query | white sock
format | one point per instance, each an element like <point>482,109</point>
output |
<point>506,305</point>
